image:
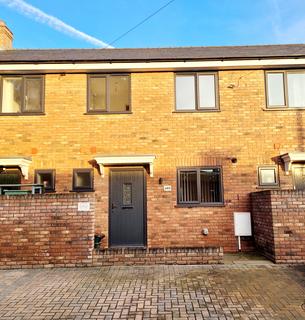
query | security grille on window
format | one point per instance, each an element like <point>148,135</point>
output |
<point>200,186</point>
<point>285,89</point>
<point>46,178</point>
<point>267,176</point>
<point>21,94</point>
<point>196,92</point>
<point>82,179</point>
<point>108,93</point>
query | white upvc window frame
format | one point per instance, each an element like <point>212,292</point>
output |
<point>285,73</point>
<point>196,76</point>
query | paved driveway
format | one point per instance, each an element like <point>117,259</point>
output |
<point>158,292</point>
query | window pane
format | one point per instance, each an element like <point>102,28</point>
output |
<point>267,176</point>
<point>210,185</point>
<point>276,96</point>
<point>127,194</point>
<point>11,95</point>
<point>296,89</point>
<point>188,187</point>
<point>119,93</point>
<point>207,96</point>
<point>97,94</point>
<point>83,180</point>
<point>185,93</point>
<point>33,91</point>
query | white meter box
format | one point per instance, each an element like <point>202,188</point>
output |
<point>242,224</point>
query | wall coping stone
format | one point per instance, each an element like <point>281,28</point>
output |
<point>48,195</point>
<point>280,192</point>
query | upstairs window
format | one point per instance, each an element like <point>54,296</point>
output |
<point>196,92</point>
<point>21,95</point>
<point>200,186</point>
<point>108,94</point>
<point>285,89</point>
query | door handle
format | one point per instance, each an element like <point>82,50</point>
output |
<point>113,206</point>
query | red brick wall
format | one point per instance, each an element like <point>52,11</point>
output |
<point>182,256</point>
<point>279,224</point>
<point>46,230</point>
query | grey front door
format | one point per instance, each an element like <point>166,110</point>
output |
<point>127,207</point>
<point>299,177</point>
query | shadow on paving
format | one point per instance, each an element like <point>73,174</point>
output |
<point>154,292</point>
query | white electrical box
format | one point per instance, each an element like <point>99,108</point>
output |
<point>242,224</point>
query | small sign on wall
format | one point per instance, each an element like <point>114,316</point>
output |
<point>83,206</point>
<point>167,188</point>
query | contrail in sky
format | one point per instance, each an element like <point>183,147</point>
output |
<point>53,22</point>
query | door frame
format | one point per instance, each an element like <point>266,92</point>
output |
<point>128,168</point>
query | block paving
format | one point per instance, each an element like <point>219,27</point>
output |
<point>154,292</point>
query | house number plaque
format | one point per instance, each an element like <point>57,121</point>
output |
<point>83,206</point>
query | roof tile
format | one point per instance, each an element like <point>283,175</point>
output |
<point>143,54</point>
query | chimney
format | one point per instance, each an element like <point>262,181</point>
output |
<point>6,37</point>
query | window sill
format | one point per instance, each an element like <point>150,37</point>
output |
<point>282,109</point>
<point>197,111</point>
<point>268,187</point>
<point>104,113</point>
<point>24,114</point>
<point>82,190</point>
<point>194,205</point>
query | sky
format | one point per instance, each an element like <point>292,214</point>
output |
<point>97,23</point>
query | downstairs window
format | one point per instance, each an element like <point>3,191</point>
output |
<point>200,186</point>
<point>82,180</point>
<point>46,178</point>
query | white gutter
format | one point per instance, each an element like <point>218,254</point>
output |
<point>152,66</point>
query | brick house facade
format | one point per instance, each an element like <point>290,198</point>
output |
<point>239,137</point>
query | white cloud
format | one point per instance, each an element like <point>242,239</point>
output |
<point>53,22</point>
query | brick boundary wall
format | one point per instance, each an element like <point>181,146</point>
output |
<point>279,224</point>
<point>46,230</point>
<point>151,256</point>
